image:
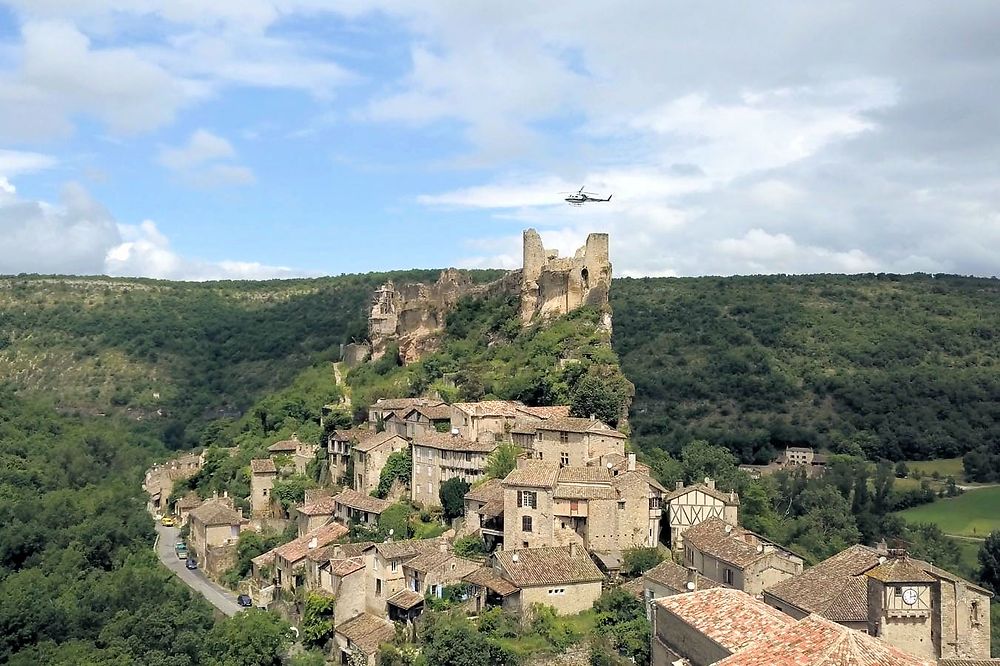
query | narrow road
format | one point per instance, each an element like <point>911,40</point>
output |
<point>216,595</point>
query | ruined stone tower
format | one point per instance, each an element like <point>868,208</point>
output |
<point>412,315</point>
<point>552,285</point>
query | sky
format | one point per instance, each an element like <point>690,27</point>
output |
<point>245,139</point>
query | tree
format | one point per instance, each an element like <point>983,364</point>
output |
<point>502,461</point>
<point>451,640</point>
<point>452,495</point>
<point>638,561</point>
<point>251,638</point>
<point>989,562</point>
<point>396,519</point>
<point>470,545</point>
<point>621,618</point>
<point>398,467</point>
<point>902,470</point>
<point>701,460</point>
<point>601,397</point>
<point>317,619</point>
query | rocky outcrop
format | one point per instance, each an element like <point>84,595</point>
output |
<point>412,315</point>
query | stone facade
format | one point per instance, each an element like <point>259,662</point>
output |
<point>552,286</point>
<point>570,441</point>
<point>262,475</point>
<point>370,456</point>
<point>438,457</point>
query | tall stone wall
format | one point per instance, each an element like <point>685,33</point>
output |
<point>412,315</point>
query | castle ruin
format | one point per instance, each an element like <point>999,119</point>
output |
<point>411,315</point>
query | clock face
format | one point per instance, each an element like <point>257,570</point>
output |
<point>909,596</point>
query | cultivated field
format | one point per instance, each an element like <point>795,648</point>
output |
<point>975,513</point>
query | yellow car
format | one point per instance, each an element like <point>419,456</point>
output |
<point>167,521</point>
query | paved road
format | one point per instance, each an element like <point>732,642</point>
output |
<point>216,595</point>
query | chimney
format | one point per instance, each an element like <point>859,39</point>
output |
<point>515,558</point>
<point>593,417</point>
<point>729,529</point>
<point>710,483</point>
<point>454,432</point>
<point>732,497</point>
<point>225,494</point>
<point>313,543</point>
<point>631,462</point>
<point>572,549</point>
<point>692,579</point>
<point>678,485</point>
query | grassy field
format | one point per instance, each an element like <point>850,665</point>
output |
<point>975,513</point>
<point>944,466</point>
<point>970,558</point>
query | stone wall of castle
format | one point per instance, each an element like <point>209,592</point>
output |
<point>411,315</point>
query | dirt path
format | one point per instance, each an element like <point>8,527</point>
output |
<point>339,378</point>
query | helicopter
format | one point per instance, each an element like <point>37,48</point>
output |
<point>580,197</point>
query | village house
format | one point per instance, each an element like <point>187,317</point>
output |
<point>428,574</point>
<point>495,419</point>
<point>563,577</point>
<point>423,419</point>
<point>370,455</point>
<point>263,472</point>
<point>289,560</point>
<point>727,627</point>
<point>300,453</point>
<point>914,605</point>
<point>352,507</point>
<point>570,441</point>
<point>548,505</point>
<point>438,457</point>
<point>736,557</point>
<point>794,457</point>
<point>160,479</point>
<point>688,506</point>
<point>385,573</point>
<point>484,512</point>
<point>183,507</point>
<point>215,529</point>
<point>314,514</point>
<point>339,447</point>
<point>667,579</point>
<point>362,635</point>
<point>489,589</point>
<point>399,407</point>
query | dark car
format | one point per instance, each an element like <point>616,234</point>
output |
<point>244,600</point>
<point>191,563</point>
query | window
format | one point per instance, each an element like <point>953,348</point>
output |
<point>654,503</point>
<point>526,523</point>
<point>564,459</point>
<point>378,587</point>
<point>557,591</point>
<point>974,613</point>
<point>727,576</point>
<point>621,505</point>
<point>265,492</point>
<point>527,498</point>
<point>574,505</point>
<point>564,437</point>
<point>524,544</point>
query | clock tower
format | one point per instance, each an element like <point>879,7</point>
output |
<point>901,602</point>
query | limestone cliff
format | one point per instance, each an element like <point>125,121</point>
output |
<point>412,315</point>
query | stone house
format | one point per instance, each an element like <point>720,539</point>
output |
<point>183,507</point>
<point>215,525</point>
<point>563,577</point>
<point>495,419</point>
<point>351,507</point>
<point>490,589</point>
<point>370,455</point>
<point>315,514</point>
<point>688,506</point>
<point>385,569</point>
<point>400,407</point>
<point>570,441</point>
<point>547,505</point>
<point>289,560</point>
<point>727,627</point>
<point>160,479</point>
<point>361,635</point>
<point>738,558</point>
<point>428,574</point>
<point>484,512</point>
<point>667,579</point>
<point>912,604</point>
<point>339,446</point>
<point>300,452</point>
<point>263,473</point>
<point>427,418</point>
<point>438,457</point>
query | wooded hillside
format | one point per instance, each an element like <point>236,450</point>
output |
<point>902,367</point>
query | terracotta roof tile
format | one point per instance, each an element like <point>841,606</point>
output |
<point>321,507</point>
<point>728,498</point>
<point>355,549</point>
<point>536,474</point>
<point>216,512</point>
<point>835,588</point>
<point>730,543</point>
<point>900,570</point>
<point>670,574</point>
<point>492,508</point>
<point>406,599</point>
<point>576,424</point>
<point>581,474</point>
<point>490,407</point>
<point>448,442</point>
<point>355,500</point>
<point>404,403</point>
<point>548,412</point>
<point>489,490</point>
<point>488,577</point>
<point>731,618</point>
<point>816,641</point>
<point>346,566</point>
<point>285,445</point>
<point>547,566</point>
<point>392,550</point>
<point>188,502</point>
<point>375,440</point>
<point>440,412</point>
<point>264,559</point>
<point>367,632</point>
<point>263,466</point>
<point>296,549</point>
<point>451,566</point>
<point>584,492</point>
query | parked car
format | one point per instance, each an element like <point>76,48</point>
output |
<point>191,563</point>
<point>167,521</point>
<point>181,549</point>
<point>244,600</point>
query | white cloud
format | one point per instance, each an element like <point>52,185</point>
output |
<point>79,236</point>
<point>204,161</point>
<point>14,162</point>
<point>760,252</point>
